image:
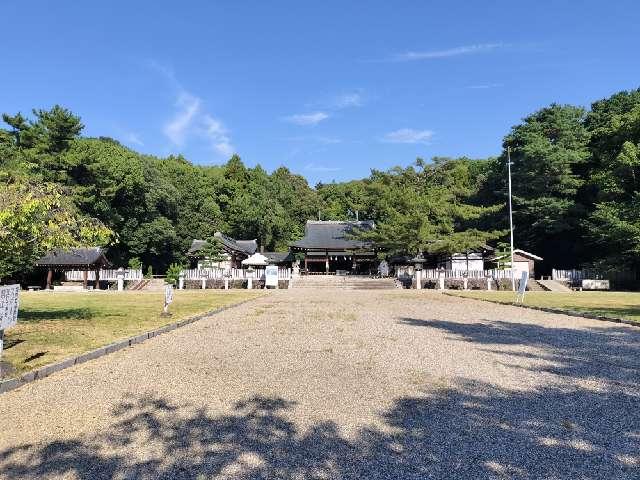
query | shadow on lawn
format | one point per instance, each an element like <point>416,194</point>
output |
<point>467,430</point>
<point>31,315</point>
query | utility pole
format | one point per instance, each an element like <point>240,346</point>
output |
<point>513,280</point>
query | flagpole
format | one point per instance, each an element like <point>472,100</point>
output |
<point>513,280</point>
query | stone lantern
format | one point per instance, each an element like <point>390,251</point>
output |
<point>418,261</point>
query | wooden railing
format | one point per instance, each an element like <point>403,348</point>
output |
<point>434,274</point>
<point>577,275</point>
<point>107,275</point>
<point>232,273</point>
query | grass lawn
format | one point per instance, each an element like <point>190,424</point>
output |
<point>54,326</point>
<point>612,304</point>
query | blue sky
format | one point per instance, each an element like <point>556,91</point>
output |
<point>330,89</point>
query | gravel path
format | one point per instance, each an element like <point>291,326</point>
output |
<point>342,384</point>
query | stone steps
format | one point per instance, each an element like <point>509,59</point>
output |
<point>534,286</point>
<point>554,286</point>
<point>154,285</point>
<point>347,283</point>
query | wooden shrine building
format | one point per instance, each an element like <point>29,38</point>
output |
<point>330,247</point>
<point>84,259</point>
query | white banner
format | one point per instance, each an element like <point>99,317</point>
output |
<point>271,276</point>
<point>522,287</point>
<point>8,305</point>
<point>168,294</point>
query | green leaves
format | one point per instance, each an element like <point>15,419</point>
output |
<point>427,210</point>
<point>213,252</point>
<point>36,219</point>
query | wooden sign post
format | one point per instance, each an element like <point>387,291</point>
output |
<point>522,287</point>
<point>168,298</point>
<point>8,309</point>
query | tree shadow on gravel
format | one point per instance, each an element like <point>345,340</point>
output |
<point>586,426</point>
<point>466,430</point>
<point>609,354</point>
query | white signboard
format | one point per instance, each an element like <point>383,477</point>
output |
<point>595,284</point>
<point>522,287</point>
<point>271,276</point>
<point>168,294</point>
<point>8,306</point>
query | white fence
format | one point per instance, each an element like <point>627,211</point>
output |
<point>107,275</point>
<point>434,274</point>
<point>232,273</point>
<point>576,276</point>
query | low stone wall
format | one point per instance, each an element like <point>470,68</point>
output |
<point>458,284</point>
<point>218,283</point>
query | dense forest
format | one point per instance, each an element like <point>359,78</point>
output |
<point>576,194</point>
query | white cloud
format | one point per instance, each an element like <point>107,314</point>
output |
<point>451,52</point>
<point>409,135</point>
<point>182,122</point>
<point>133,138</point>
<point>307,118</point>
<point>218,135</point>
<point>314,139</point>
<point>191,120</point>
<point>347,100</point>
<point>312,167</point>
<point>485,86</point>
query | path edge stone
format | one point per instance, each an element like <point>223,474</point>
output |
<point>46,370</point>
<point>570,313</point>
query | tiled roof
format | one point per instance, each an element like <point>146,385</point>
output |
<point>247,247</point>
<point>279,257</point>
<point>333,235</point>
<point>74,257</point>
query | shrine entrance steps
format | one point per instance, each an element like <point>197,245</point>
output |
<point>347,282</point>
<point>150,285</point>
<point>554,286</point>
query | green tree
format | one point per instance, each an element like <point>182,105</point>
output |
<point>614,223</point>
<point>549,151</point>
<point>36,219</point>
<point>418,210</point>
<point>213,252</point>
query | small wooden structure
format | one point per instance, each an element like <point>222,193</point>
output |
<point>83,259</point>
<point>522,262</point>
<point>236,251</point>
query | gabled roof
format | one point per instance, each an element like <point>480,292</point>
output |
<point>74,257</point>
<point>279,257</point>
<point>246,247</point>
<point>517,251</point>
<point>333,235</point>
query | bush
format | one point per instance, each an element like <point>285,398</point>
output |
<point>477,283</point>
<point>218,283</point>
<point>149,273</point>
<point>453,283</point>
<point>430,284</point>
<point>505,284</point>
<point>173,273</point>
<point>135,263</point>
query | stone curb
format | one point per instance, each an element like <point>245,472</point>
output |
<point>45,371</point>
<point>571,313</point>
